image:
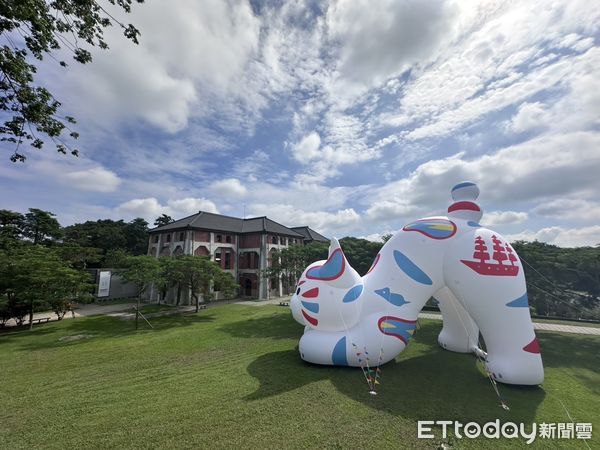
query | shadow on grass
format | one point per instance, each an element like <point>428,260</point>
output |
<point>275,326</point>
<point>75,331</point>
<point>428,383</point>
<point>572,351</point>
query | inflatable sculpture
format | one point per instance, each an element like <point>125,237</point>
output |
<point>472,272</point>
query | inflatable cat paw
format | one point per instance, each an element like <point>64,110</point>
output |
<point>473,272</point>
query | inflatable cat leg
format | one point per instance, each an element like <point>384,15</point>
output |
<point>473,272</point>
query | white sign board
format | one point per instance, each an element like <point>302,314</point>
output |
<point>104,283</point>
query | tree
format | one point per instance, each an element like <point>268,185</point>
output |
<point>360,252</point>
<point>38,28</point>
<point>136,236</point>
<point>79,257</point>
<point>290,262</point>
<point>386,237</point>
<point>164,219</point>
<point>11,227</point>
<point>110,236</point>
<point>34,276</point>
<point>202,276</point>
<point>142,271</point>
<point>41,227</point>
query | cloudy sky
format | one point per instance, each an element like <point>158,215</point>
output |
<point>351,116</point>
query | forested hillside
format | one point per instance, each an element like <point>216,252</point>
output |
<point>562,282</point>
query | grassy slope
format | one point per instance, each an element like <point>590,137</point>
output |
<point>230,377</point>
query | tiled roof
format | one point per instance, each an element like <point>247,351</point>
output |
<point>310,234</point>
<point>217,222</point>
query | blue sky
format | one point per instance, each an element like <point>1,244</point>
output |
<point>351,117</point>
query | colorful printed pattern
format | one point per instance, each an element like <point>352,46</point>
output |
<point>399,328</point>
<point>332,269</point>
<point>394,299</point>
<point>533,346</point>
<point>502,252</point>
<point>411,269</point>
<point>521,302</point>
<point>310,306</point>
<point>353,294</point>
<point>433,228</point>
<point>464,184</point>
<point>338,356</point>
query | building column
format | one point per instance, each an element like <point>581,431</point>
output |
<point>263,285</point>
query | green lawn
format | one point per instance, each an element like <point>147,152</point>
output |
<point>230,377</point>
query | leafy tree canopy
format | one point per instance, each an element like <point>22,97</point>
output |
<point>33,29</point>
<point>110,236</point>
<point>34,277</point>
<point>41,227</point>
<point>164,219</point>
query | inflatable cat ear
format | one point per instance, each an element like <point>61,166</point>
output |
<point>336,271</point>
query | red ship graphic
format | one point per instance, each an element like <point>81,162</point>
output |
<point>502,252</point>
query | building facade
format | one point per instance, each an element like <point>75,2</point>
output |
<point>242,247</point>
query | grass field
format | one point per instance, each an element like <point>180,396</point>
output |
<point>230,377</point>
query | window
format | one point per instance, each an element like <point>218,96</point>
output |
<point>218,257</point>
<point>282,241</point>
<point>275,240</point>
<point>228,239</point>
<point>218,238</point>
<point>227,260</point>
<point>182,236</point>
<point>168,238</point>
<point>156,239</point>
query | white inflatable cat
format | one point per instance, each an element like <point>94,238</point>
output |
<point>473,272</point>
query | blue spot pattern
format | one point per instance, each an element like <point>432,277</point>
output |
<point>353,294</point>
<point>394,299</point>
<point>462,185</point>
<point>411,269</point>
<point>521,302</point>
<point>338,356</point>
<point>312,307</point>
<point>330,270</point>
<point>473,224</point>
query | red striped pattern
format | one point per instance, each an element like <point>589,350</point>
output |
<point>462,206</point>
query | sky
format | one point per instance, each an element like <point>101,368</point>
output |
<point>354,117</point>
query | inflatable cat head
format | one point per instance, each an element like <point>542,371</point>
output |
<point>328,293</point>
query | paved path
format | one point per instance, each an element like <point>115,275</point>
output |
<point>539,326</point>
<point>124,310</point>
<point>83,310</point>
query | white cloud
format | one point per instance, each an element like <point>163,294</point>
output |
<point>150,208</point>
<point>229,187</point>
<point>503,218</point>
<point>187,54</point>
<point>378,41</point>
<point>570,208</point>
<point>529,115</point>
<point>308,148</point>
<point>495,63</point>
<point>563,237</point>
<point>321,221</point>
<point>537,169</point>
<point>96,179</point>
